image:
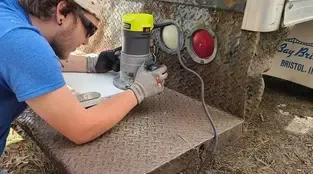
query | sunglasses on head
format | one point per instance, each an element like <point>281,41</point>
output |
<point>90,27</point>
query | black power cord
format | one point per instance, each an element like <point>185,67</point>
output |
<point>161,25</point>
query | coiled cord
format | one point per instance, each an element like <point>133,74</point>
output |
<point>202,90</point>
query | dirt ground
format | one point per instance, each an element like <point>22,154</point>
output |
<point>279,139</point>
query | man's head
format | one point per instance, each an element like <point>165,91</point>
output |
<point>66,24</point>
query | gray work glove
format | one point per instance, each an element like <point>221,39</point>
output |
<point>149,83</point>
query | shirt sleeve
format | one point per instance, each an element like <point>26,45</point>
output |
<point>28,64</point>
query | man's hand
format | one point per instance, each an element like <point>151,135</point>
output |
<point>149,83</point>
<point>106,61</point>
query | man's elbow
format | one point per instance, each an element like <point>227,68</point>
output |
<point>84,135</point>
<point>80,139</point>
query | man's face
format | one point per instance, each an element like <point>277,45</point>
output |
<point>73,32</point>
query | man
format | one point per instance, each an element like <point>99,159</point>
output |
<point>34,35</point>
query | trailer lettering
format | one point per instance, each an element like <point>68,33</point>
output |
<point>292,65</point>
<point>310,71</point>
<point>285,50</point>
<point>301,52</point>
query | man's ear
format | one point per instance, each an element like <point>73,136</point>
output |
<point>61,11</point>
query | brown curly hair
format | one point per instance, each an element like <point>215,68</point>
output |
<point>44,9</point>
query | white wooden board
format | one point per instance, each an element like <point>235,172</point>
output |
<point>89,82</point>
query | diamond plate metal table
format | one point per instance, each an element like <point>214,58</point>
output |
<point>162,135</point>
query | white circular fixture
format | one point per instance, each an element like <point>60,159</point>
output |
<point>167,38</point>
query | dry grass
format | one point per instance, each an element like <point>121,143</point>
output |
<point>22,156</point>
<point>267,147</point>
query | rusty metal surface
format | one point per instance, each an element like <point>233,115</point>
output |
<point>261,60</point>
<point>233,80</point>
<point>162,135</point>
<point>234,5</point>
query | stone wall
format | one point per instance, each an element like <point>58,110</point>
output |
<point>233,81</point>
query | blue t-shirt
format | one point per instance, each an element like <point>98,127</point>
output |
<point>28,65</point>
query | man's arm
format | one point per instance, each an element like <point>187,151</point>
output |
<point>106,61</point>
<point>62,110</point>
<point>74,63</point>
